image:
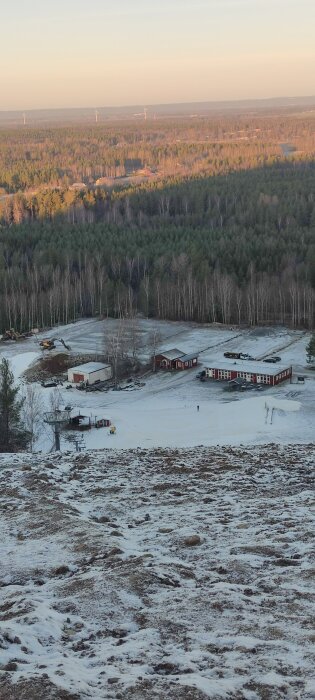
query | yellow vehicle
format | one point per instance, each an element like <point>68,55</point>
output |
<point>49,343</point>
<point>112,430</point>
<point>11,334</point>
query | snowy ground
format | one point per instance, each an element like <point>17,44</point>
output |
<point>164,412</point>
<point>103,596</point>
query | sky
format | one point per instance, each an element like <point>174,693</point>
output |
<point>74,53</point>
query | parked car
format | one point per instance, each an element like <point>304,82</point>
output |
<point>234,355</point>
<point>272,359</point>
<point>201,374</point>
<point>48,384</point>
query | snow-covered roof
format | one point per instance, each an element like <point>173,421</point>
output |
<point>172,354</point>
<point>186,358</point>
<point>76,413</point>
<point>89,367</point>
<point>249,367</point>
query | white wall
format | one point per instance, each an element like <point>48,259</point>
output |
<point>91,378</point>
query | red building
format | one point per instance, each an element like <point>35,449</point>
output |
<point>175,359</point>
<point>254,372</point>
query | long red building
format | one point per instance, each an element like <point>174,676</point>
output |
<point>255,372</point>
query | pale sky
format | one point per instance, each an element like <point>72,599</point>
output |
<point>98,53</point>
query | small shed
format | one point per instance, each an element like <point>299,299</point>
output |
<point>90,373</point>
<point>102,422</point>
<point>79,422</point>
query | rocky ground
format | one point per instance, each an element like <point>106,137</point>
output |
<point>162,574</point>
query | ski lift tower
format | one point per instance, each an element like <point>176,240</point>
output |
<point>78,441</point>
<point>56,419</point>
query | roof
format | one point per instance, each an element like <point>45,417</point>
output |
<point>186,358</point>
<point>89,367</point>
<point>75,413</point>
<point>77,186</point>
<point>172,354</point>
<point>250,367</point>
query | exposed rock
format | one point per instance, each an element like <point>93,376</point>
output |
<point>192,541</point>
<point>114,552</point>
<point>11,666</point>
<point>60,570</point>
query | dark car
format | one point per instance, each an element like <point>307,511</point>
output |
<point>272,359</point>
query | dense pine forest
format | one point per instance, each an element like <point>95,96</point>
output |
<point>210,220</point>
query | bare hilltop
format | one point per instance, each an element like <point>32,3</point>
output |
<point>182,574</point>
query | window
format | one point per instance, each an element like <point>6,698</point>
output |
<point>265,379</point>
<point>210,372</point>
<point>224,374</point>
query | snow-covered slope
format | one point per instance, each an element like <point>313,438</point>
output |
<point>160,574</point>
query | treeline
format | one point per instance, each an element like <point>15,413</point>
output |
<point>232,249</point>
<point>58,157</point>
<point>53,296</point>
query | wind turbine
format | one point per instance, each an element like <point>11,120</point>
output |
<point>24,118</point>
<point>96,116</point>
<point>142,114</point>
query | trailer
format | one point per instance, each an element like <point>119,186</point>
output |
<point>102,423</point>
<point>238,356</point>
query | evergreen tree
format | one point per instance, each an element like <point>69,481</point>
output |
<point>12,435</point>
<point>310,349</point>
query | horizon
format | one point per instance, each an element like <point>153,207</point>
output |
<point>281,100</point>
<point>123,54</point>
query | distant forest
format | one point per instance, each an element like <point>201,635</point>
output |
<point>210,220</point>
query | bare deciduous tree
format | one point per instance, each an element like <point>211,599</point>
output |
<point>131,336</point>
<point>55,400</point>
<point>154,340</point>
<point>114,348</point>
<point>32,413</point>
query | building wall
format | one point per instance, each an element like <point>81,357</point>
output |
<point>186,365</point>
<point>161,361</point>
<point>283,376</point>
